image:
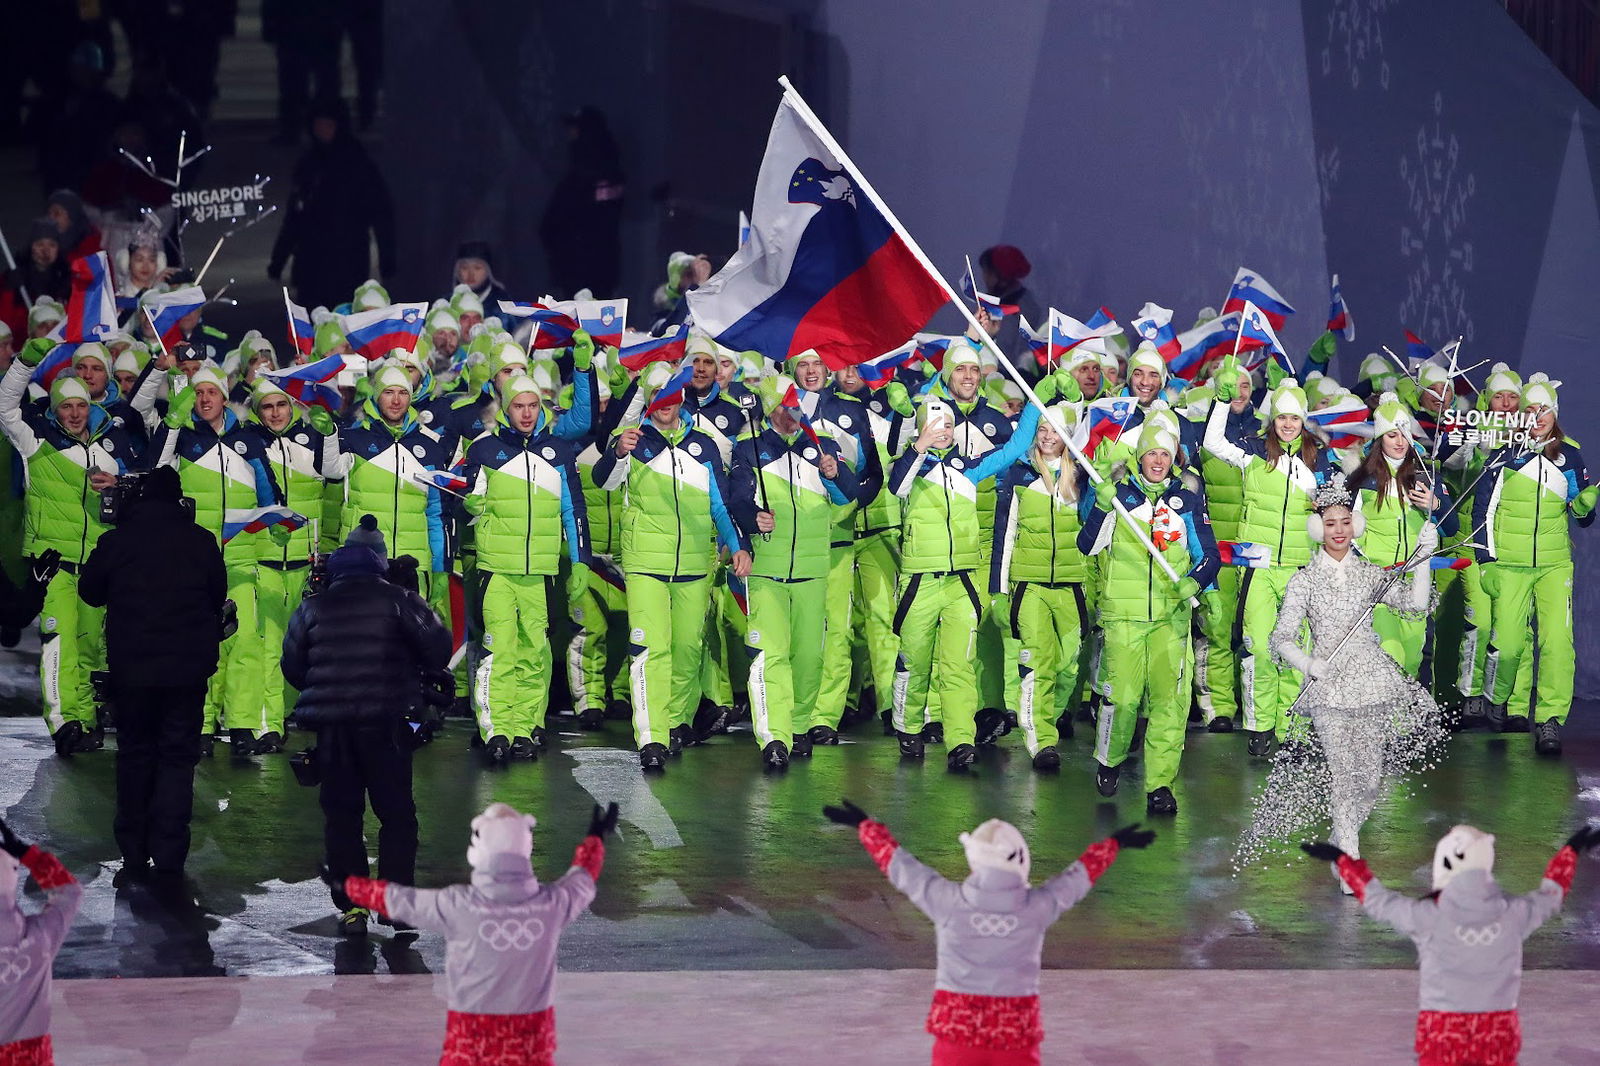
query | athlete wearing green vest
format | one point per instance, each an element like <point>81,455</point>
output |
<point>1145,614</point>
<point>597,607</point>
<point>1216,659</point>
<point>525,498</point>
<point>939,607</point>
<point>672,516</point>
<point>1281,471</point>
<point>784,488</point>
<point>223,466</point>
<point>1521,511</point>
<point>1394,494</point>
<point>69,452</point>
<point>1036,560</point>
<point>302,449</point>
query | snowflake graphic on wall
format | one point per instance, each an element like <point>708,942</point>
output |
<point>1435,241</point>
<point>1354,44</point>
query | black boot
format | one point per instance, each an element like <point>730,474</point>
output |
<point>775,756</point>
<point>822,734</point>
<point>524,748</point>
<point>1515,723</point>
<point>498,749</point>
<point>618,710</point>
<point>1222,723</point>
<point>653,757</point>
<point>887,715</point>
<point>592,719</point>
<point>1064,725</point>
<point>353,922</point>
<point>1495,715</point>
<point>1048,759</point>
<point>910,746</point>
<point>800,746</point>
<point>710,719</point>
<point>271,743</point>
<point>933,733</point>
<point>541,739</point>
<point>990,724</point>
<point>1547,737</point>
<point>1105,780</point>
<point>680,737</point>
<point>241,745</point>
<point>1161,801</point>
<point>67,739</point>
<point>961,756</point>
<point>1261,743</point>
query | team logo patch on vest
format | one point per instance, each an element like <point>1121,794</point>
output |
<point>418,450</point>
<point>721,421</point>
<point>109,445</point>
<point>548,453</point>
<point>301,438</point>
<point>694,448</point>
<point>845,422</point>
<point>425,416</point>
<point>637,636</point>
<point>241,447</point>
<point>809,453</point>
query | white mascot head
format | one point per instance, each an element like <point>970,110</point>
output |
<point>997,845</point>
<point>1463,848</point>
<point>501,836</point>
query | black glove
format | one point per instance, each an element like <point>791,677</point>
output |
<point>1131,836</point>
<point>846,813</point>
<point>1322,850</point>
<point>602,822</point>
<point>335,883</point>
<point>12,844</point>
<point>1580,842</point>
<point>44,566</point>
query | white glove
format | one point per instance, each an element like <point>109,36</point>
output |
<point>1427,539</point>
<point>1318,669</point>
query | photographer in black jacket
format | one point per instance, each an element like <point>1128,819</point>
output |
<point>357,653</point>
<point>161,580</point>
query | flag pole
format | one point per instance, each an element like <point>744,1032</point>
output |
<point>294,341</point>
<point>215,248</point>
<point>809,117</point>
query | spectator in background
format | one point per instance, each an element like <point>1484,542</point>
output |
<point>581,230</point>
<point>74,126</point>
<point>363,22</point>
<point>1003,267</point>
<point>308,60</point>
<point>198,27</point>
<point>41,271</point>
<point>165,115</point>
<point>475,270</point>
<point>337,198</point>
<point>78,236</point>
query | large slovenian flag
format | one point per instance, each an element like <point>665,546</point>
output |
<point>1340,320</point>
<point>1154,324</point>
<point>1347,422</point>
<point>1104,420</point>
<point>1250,287</point>
<point>302,332</point>
<point>257,519</point>
<point>92,306</point>
<point>1243,553</point>
<point>823,268</point>
<point>167,309</point>
<point>1257,336</point>
<point>1417,349</point>
<point>308,382</point>
<point>931,348</point>
<point>553,327</point>
<point>670,348</point>
<point>54,362</point>
<point>380,331</point>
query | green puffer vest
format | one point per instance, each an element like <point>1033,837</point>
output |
<point>1224,496</point>
<point>667,527</point>
<point>294,466</point>
<point>603,505</point>
<point>883,511</point>
<point>1135,589</point>
<point>1275,509</point>
<point>940,522</point>
<point>1528,514</point>
<point>1392,526</point>
<point>1046,545</point>
<point>519,511</point>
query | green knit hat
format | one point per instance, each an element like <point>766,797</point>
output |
<point>1289,399</point>
<point>1392,414</point>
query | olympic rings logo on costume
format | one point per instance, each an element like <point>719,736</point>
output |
<point>511,934</point>
<point>1478,936</point>
<point>993,924</point>
<point>14,965</point>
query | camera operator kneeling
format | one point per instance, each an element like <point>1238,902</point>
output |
<point>355,652</point>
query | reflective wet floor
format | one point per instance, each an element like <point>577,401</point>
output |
<point>723,867</point>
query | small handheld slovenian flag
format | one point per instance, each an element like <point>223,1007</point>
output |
<point>1038,341</point>
<point>302,333</point>
<point>257,519</point>
<point>1154,324</point>
<point>166,310</point>
<point>447,480</point>
<point>380,331</point>
<point>990,305</point>
<point>1243,553</point>
<point>667,349</point>
<point>1250,287</point>
<point>671,392</point>
<point>1339,318</point>
<point>1256,333</point>
<point>91,308</point>
<point>308,382</point>
<point>1347,422</point>
<point>877,373</point>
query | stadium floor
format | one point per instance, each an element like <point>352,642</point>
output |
<point>723,867</point>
